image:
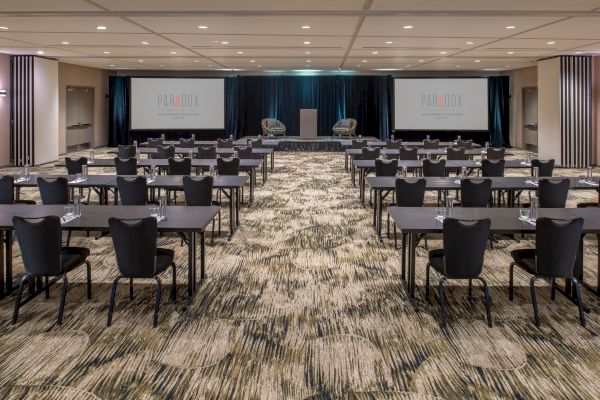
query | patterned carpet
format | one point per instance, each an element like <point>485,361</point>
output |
<point>303,303</point>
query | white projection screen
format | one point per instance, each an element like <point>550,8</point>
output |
<point>177,103</point>
<point>441,104</point>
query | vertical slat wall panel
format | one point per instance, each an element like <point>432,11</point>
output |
<point>21,110</point>
<point>576,112</point>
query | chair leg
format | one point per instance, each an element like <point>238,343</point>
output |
<point>511,272</point>
<point>63,297</point>
<point>395,237</point>
<point>18,301</point>
<point>212,236</point>
<point>553,289</point>
<point>174,288</point>
<point>157,305</point>
<point>488,301</point>
<point>130,288</point>
<point>534,301</point>
<point>427,280</point>
<point>68,238</point>
<point>470,295</point>
<point>442,302</point>
<point>579,302</point>
<point>47,287</point>
<point>111,303</point>
<point>89,279</point>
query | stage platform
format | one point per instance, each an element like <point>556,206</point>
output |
<point>322,143</point>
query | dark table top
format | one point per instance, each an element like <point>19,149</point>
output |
<point>348,143</point>
<point>503,220</point>
<point>449,164</point>
<point>239,142</point>
<point>423,152</point>
<point>186,150</point>
<point>94,217</point>
<point>196,162</point>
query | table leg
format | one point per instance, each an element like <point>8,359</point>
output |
<point>361,181</point>
<point>353,172</point>
<point>8,237</point>
<point>2,272</point>
<point>412,256</point>
<point>346,161</point>
<point>202,256</point>
<point>191,264</point>
<point>272,160</point>
<point>403,237</point>
<point>379,200</point>
<point>252,184</point>
<point>264,170</point>
<point>237,207</point>
<point>375,212</point>
<point>17,193</point>
<point>231,213</point>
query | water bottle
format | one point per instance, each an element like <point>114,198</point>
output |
<point>77,204</point>
<point>211,170</point>
<point>589,174</point>
<point>152,172</point>
<point>26,171</point>
<point>162,206</point>
<point>138,155</point>
<point>536,174</point>
<point>84,171</point>
<point>404,172</point>
<point>463,173</point>
<point>533,212</point>
<point>92,156</point>
<point>135,144</point>
<point>449,205</point>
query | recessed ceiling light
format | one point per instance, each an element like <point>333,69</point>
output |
<point>224,42</point>
<point>408,27</point>
<point>374,52</point>
<point>112,65</point>
<point>202,27</point>
<point>389,42</point>
<point>421,61</point>
<point>101,27</point>
<point>307,61</point>
<point>477,61</point>
<point>510,27</point>
<point>64,42</point>
<point>172,52</point>
<point>196,61</point>
<point>240,52</point>
<point>215,41</point>
<point>307,52</point>
<point>210,65</point>
<point>550,43</point>
<point>161,65</point>
<point>306,42</point>
<point>507,66</point>
<point>470,43</point>
<point>106,52</point>
<point>510,52</point>
<point>144,42</point>
<point>305,26</point>
<point>4,28</point>
<point>408,65</point>
<point>40,52</point>
<point>140,60</point>
<point>252,61</point>
<point>458,66</point>
<point>364,61</point>
<point>443,52</point>
<point>577,52</point>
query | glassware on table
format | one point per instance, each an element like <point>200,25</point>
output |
<point>79,176</point>
<point>235,154</point>
<point>534,209</point>
<point>84,171</point>
<point>581,179</point>
<point>77,204</point>
<point>191,154</point>
<point>463,172</point>
<point>194,137</point>
<point>162,204</point>
<point>154,211</point>
<point>535,175</point>
<point>440,213</point>
<point>527,158</point>
<point>524,214</point>
<point>393,137</point>
<point>162,136</point>
<point>153,172</point>
<point>428,137</point>
<point>589,174</point>
<point>458,138</point>
<point>230,137</point>
<point>487,145</point>
<point>135,144</point>
<point>404,172</point>
<point>92,155</point>
<point>69,210</point>
<point>211,170</point>
<point>138,155</point>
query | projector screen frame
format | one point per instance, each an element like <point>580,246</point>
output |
<point>442,130</point>
<point>176,129</point>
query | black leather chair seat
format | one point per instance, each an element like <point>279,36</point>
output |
<point>72,257</point>
<point>164,258</point>
<point>436,258</point>
<point>525,258</point>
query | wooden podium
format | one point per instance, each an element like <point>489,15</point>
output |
<point>308,123</point>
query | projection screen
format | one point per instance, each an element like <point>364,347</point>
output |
<point>177,103</point>
<point>441,104</point>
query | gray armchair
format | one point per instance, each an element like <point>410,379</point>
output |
<point>345,127</point>
<point>273,127</point>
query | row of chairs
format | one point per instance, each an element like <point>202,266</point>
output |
<point>405,153</point>
<point>190,143</point>
<point>44,257</point>
<point>429,144</point>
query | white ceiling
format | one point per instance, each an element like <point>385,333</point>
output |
<point>262,35</point>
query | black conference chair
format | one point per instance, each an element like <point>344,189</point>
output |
<point>155,142</point>
<point>139,262</point>
<point>495,153</point>
<point>556,248</point>
<point>409,154</point>
<point>75,166</point>
<point>461,258</point>
<point>393,144</point>
<point>431,144</point>
<point>228,166</point>
<point>53,191</point>
<point>409,193</point>
<point>124,151</point>
<point>198,192</point>
<point>127,166</point>
<point>545,168</point>
<point>370,153</point>
<point>492,168</point>
<point>164,152</point>
<point>465,144</point>
<point>133,190</point>
<point>475,192</point>
<point>245,153</point>
<point>180,167</point>
<point>7,192</point>
<point>256,144</point>
<point>206,153</point>
<point>225,143</point>
<point>552,193</point>
<point>434,168</point>
<point>187,143</point>
<point>358,143</point>
<point>386,167</point>
<point>457,153</point>
<point>40,240</point>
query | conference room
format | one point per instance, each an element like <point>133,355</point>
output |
<point>342,199</point>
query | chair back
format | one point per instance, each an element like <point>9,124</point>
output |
<point>187,143</point>
<point>155,142</point>
<point>465,144</point>
<point>475,192</point>
<point>545,168</point>
<point>74,165</point>
<point>553,193</point>
<point>40,240</point>
<point>124,151</point>
<point>244,153</point>
<point>407,154</point>
<point>181,166</point>
<point>492,168</point>
<point>557,245</point>
<point>370,154</point>
<point>228,166</point>
<point>435,168</point>
<point>7,190</point>
<point>393,144</point>
<point>358,143</point>
<point>133,191</point>
<point>53,191</point>
<point>198,190</point>
<point>495,153</point>
<point>224,143</point>
<point>457,153</point>
<point>207,153</point>
<point>410,192</point>
<point>133,260</point>
<point>431,144</point>
<point>386,167</point>
<point>164,152</point>
<point>127,166</point>
<point>464,247</point>
<point>256,144</point>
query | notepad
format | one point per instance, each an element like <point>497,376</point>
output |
<point>21,180</point>
<point>77,180</point>
<point>67,218</point>
<point>530,182</point>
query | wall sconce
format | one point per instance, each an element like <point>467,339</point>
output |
<point>2,92</point>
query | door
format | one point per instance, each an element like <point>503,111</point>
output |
<point>79,118</point>
<point>530,119</point>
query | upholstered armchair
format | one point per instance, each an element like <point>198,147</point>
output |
<point>345,127</point>
<point>273,127</point>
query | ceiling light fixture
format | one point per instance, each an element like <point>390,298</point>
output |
<point>374,52</point>
<point>307,52</point>
<point>202,27</point>
<point>4,28</point>
<point>196,61</point>
<point>421,61</point>
<point>477,61</point>
<point>470,43</point>
<point>40,52</point>
<point>146,43</point>
<point>408,27</point>
<point>224,42</point>
<point>550,43</point>
<point>305,26</point>
<point>65,42</point>
<point>306,42</point>
<point>577,52</point>
<point>172,52</point>
<point>140,60</point>
<point>252,61</point>
<point>240,52</point>
<point>389,42</point>
<point>510,27</point>
<point>364,61</point>
<point>510,52</point>
<point>307,61</point>
<point>106,52</point>
<point>112,65</point>
<point>101,27</point>
<point>443,52</point>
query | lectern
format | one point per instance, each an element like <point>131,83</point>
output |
<point>308,123</point>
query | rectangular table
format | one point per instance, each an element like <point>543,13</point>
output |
<point>189,221</point>
<point>198,143</point>
<point>414,221</point>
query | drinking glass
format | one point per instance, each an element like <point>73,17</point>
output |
<point>69,210</point>
<point>589,175</point>
<point>440,213</point>
<point>79,176</point>
<point>84,171</point>
<point>536,174</point>
<point>154,211</point>
<point>524,214</point>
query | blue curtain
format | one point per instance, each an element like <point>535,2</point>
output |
<point>498,88</point>
<point>118,112</point>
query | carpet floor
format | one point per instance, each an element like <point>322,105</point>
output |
<point>303,303</point>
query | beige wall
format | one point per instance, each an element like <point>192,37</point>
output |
<point>5,111</point>
<point>73,75</point>
<point>519,79</point>
<point>549,132</point>
<point>45,106</point>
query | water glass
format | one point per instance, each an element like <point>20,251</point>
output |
<point>235,154</point>
<point>404,172</point>
<point>138,155</point>
<point>458,138</point>
<point>393,137</point>
<point>194,137</point>
<point>428,137</point>
<point>77,204</point>
<point>152,171</point>
<point>527,158</point>
<point>162,136</point>
<point>69,210</point>
<point>154,211</point>
<point>533,212</point>
<point>191,154</point>
<point>211,170</point>
<point>79,176</point>
<point>581,179</point>
<point>450,201</point>
<point>162,204</point>
<point>487,145</point>
<point>536,174</point>
<point>84,171</point>
<point>463,172</point>
<point>523,214</point>
<point>589,172</point>
<point>440,213</point>
<point>135,144</point>
<point>230,137</point>
<point>92,153</point>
